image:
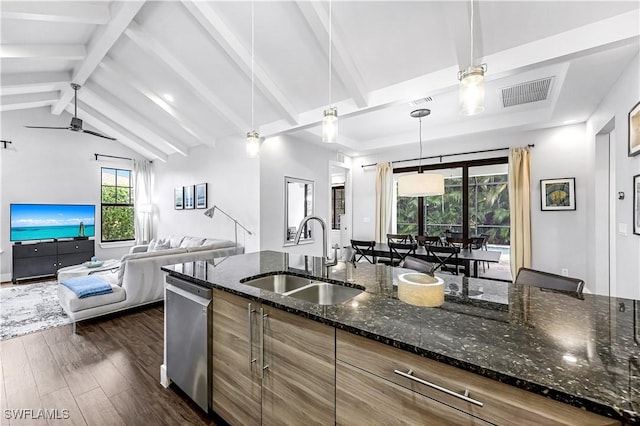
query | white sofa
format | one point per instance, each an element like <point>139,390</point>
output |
<point>139,280</point>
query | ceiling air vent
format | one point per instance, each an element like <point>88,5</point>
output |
<point>421,101</point>
<point>524,93</point>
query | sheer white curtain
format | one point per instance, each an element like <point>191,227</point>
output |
<point>142,175</point>
<point>520,206</point>
<point>384,201</point>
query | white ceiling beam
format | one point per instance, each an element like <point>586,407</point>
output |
<point>151,45</point>
<point>105,103</point>
<point>561,47</point>
<point>27,101</point>
<point>101,42</point>
<point>72,52</point>
<point>21,83</point>
<point>123,136</point>
<point>214,24</point>
<point>182,120</point>
<point>72,12</point>
<point>342,63</point>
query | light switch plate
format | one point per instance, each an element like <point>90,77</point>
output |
<point>622,229</point>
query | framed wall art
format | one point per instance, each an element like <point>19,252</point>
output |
<point>189,198</point>
<point>558,194</point>
<point>178,198</point>
<point>634,130</point>
<point>201,196</point>
<point>636,204</point>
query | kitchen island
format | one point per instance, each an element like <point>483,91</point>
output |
<point>581,352</point>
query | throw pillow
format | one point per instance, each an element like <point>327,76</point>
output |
<point>151,245</point>
<point>162,245</point>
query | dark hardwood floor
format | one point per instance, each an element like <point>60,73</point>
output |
<point>106,374</point>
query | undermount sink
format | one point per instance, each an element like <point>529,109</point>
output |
<point>309,290</point>
<point>280,283</point>
<point>325,293</point>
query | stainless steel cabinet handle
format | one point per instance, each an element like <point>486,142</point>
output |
<point>262,317</point>
<point>464,396</point>
<point>251,358</point>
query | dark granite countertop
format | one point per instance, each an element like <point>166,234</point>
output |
<point>581,352</point>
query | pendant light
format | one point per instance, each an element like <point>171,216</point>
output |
<point>253,138</point>
<point>330,118</point>
<point>472,83</point>
<point>420,184</point>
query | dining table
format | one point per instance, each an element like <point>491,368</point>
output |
<point>466,256</point>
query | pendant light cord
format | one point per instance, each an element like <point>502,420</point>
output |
<point>420,139</point>
<point>471,55</point>
<point>252,60</point>
<point>330,45</point>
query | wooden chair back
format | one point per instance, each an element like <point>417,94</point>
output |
<point>399,238</point>
<point>363,250</point>
<point>399,251</point>
<point>424,240</point>
<point>445,258</point>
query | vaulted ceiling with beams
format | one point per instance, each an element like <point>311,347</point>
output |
<point>166,76</point>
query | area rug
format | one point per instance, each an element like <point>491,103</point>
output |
<point>29,308</point>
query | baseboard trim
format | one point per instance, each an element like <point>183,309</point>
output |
<point>164,380</point>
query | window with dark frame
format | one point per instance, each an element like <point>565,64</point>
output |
<point>471,205</point>
<point>117,212</point>
<point>337,205</point>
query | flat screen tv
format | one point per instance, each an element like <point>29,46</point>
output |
<point>52,221</point>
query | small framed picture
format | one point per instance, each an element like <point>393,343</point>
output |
<point>178,198</point>
<point>558,194</point>
<point>636,204</point>
<point>634,130</point>
<point>189,199</point>
<point>201,196</point>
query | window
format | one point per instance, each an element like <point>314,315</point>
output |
<point>485,210</point>
<point>337,205</point>
<point>117,205</point>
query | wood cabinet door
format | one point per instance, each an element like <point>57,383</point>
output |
<point>236,392</point>
<point>298,386</point>
<point>365,399</point>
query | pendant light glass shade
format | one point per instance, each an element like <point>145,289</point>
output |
<point>253,144</point>
<point>421,185</point>
<point>330,125</point>
<point>472,90</point>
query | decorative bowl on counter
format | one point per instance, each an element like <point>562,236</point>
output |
<point>421,289</point>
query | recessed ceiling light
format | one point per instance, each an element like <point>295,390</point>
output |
<point>168,97</point>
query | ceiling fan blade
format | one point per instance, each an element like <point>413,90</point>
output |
<point>47,127</point>
<point>98,134</point>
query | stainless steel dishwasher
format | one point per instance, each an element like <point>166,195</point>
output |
<point>188,311</point>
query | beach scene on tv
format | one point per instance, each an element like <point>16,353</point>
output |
<point>51,221</point>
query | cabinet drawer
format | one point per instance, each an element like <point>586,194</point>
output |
<point>65,260</point>
<point>66,247</point>
<point>35,267</point>
<point>34,250</point>
<point>502,404</point>
<point>364,399</point>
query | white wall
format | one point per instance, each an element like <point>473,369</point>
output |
<point>559,238</point>
<point>617,104</point>
<point>51,166</point>
<point>285,156</point>
<point>233,185</point>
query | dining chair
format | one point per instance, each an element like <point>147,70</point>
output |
<point>398,252</point>
<point>445,258</point>
<point>424,240</point>
<point>479,243</point>
<point>364,250</point>
<point>450,234</point>
<point>400,238</point>
<point>549,281</point>
<point>463,243</point>
<point>418,265</point>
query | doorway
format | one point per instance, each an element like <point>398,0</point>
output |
<point>604,187</point>
<point>339,217</point>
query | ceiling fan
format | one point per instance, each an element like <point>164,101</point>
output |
<point>76,123</point>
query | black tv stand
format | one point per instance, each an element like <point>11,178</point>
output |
<point>45,258</point>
